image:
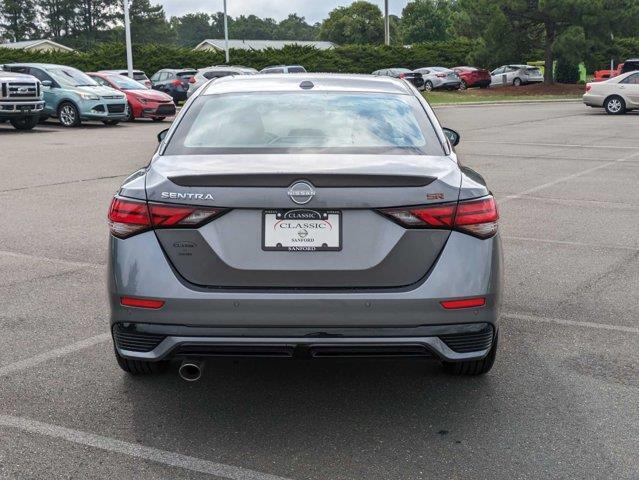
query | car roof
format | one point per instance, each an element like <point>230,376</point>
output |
<point>120,72</point>
<point>321,81</point>
<point>38,65</point>
<point>176,70</point>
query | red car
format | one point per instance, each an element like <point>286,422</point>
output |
<point>472,77</point>
<point>143,102</point>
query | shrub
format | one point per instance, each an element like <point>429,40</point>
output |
<point>348,58</point>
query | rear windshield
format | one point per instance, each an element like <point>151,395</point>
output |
<point>296,70</point>
<point>186,74</point>
<point>309,122</point>
<point>139,76</point>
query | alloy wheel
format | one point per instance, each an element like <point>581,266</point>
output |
<point>67,115</point>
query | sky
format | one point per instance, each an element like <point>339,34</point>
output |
<point>313,10</point>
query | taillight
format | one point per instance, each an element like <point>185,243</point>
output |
<point>141,302</point>
<point>588,87</point>
<point>402,75</point>
<point>440,75</point>
<point>476,217</point>
<point>176,83</point>
<point>128,217</point>
<point>192,80</point>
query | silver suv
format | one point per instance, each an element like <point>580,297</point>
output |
<point>20,100</point>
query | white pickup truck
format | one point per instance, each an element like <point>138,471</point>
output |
<point>20,100</point>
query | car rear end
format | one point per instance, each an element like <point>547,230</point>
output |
<point>416,78</point>
<point>316,217</point>
<point>447,80</point>
<point>179,86</point>
<point>531,75</point>
<point>596,93</point>
<point>479,77</point>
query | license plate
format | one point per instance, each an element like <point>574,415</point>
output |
<point>302,230</point>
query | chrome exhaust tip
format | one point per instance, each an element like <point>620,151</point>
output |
<point>191,370</point>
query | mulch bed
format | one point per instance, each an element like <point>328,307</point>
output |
<point>534,89</point>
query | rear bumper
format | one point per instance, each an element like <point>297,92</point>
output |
<point>162,342</point>
<point>467,267</point>
<point>593,100</point>
<point>448,85</point>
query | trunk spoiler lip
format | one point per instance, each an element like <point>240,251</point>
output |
<point>285,180</point>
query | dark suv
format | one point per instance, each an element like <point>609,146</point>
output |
<point>415,78</point>
<point>174,82</point>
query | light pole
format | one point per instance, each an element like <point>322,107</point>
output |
<point>226,34</point>
<point>127,32</point>
<point>386,24</point>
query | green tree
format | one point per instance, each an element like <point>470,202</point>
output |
<point>192,28</point>
<point>148,23</point>
<point>94,17</point>
<point>58,17</point>
<point>361,22</point>
<point>252,28</point>
<point>18,19</point>
<point>295,28</point>
<point>427,20</point>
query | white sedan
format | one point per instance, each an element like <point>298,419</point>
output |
<point>617,95</point>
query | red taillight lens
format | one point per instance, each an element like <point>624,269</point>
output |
<point>441,75</point>
<point>433,216</point>
<point>141,302</point>
<point>402,75</point>
<point>588,87</point>
<point>168,215</point>
<point>128,217</point>
<point>176,83</point>
<point>464,303</point>
<point>192,80</point>
<point>476,217</point>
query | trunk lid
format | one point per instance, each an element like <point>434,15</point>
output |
<point>231,250</point>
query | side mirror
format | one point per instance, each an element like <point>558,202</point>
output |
<point>47,83</point>
<point>162,135</point>
<point>453,136</point>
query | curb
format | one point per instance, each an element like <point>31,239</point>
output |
<point>503,102</point>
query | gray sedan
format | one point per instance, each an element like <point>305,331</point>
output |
<point>313,215</point>
<point>439,78</point>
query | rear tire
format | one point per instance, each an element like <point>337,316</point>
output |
<point>517,82</point>
<point>25,123</point>
<point>473,367</point>
<point>615,105</point>
<point>139,367</point>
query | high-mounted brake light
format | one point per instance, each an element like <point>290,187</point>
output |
<point>128,217</point>
<point>476,217</point>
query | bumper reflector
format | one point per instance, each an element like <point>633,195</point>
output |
<point>464,303</point>
<point>141,302</point>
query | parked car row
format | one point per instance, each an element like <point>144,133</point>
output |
<point>463,77</point>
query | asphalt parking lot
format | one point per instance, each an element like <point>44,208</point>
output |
<point>561,402</point>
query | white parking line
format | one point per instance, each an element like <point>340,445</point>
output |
<point>572,244</point>
<point>571,323</point>
<point>135,450</point>
<point>39,258</point>
<point>52,354</point>
<point>562,145</point>
<point>567,177</point>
